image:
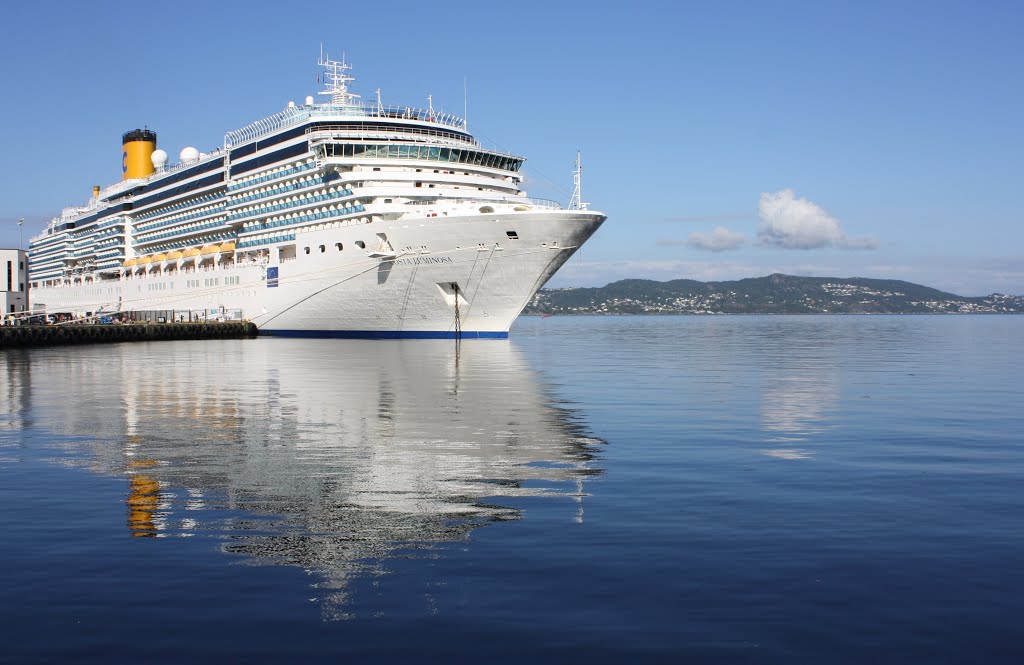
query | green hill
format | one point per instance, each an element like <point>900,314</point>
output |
<point>774,294</point>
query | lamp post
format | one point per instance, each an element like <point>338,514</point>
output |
<point>21,238</point>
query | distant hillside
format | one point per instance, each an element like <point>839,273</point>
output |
<point>774,294</point>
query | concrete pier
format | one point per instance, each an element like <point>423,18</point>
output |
<point>27,336</point>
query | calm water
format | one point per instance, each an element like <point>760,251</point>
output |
<point>593,490</point>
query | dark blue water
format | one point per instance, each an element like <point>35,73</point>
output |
<point>593,490</point>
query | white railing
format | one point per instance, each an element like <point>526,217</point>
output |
<point>329,132</point>
<point>484,200</point>
<point>544,203</point>
<point>293,116</point>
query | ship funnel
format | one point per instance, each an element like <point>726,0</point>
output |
<point>95,191</point>
<point>137,148</point>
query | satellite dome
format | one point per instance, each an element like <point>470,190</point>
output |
<point>188,154</point>
<point>309,100</point>
<point>159,158</point>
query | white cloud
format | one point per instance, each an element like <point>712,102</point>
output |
<point>793,223</point>
<point>719,240</point>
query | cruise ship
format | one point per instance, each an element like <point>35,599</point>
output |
<point>344,218</point>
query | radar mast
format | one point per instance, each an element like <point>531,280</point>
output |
<point>576,202</point>
<point>336,80</point>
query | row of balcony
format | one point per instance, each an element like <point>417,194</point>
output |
<point>314,216</point>
<point>265,241</point>
<point>275,174</point>
<point>178,232</point>
<point>288,205</point>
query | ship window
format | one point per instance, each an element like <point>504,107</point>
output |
<point>387,200</point>
<point>376,168</point>
<point>338,245</point>
<point>512,234</point>
<point>360,244</point>
<point>486,209</point>
<point>322,249</point>
<point>307,250</point>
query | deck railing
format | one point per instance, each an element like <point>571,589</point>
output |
<point>297,114</point>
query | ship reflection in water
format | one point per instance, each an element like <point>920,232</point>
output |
<point>333,455</point>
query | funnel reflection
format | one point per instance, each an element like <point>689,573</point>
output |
<point>331,455</point>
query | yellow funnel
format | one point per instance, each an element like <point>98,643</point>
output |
<point>137,148</point>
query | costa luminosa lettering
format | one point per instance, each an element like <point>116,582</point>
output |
<point>420,260</point>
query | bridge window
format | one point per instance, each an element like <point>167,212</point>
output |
<point>456,155</point>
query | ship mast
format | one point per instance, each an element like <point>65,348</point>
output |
<point>336,80</point>
<point>576,202</point>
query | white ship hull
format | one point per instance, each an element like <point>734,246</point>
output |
<point>467,275</point>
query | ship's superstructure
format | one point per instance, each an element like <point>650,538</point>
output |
<point>343,218</point>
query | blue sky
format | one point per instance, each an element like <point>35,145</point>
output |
<point>723,139</point>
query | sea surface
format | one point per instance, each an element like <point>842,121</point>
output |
<point>735,489</point>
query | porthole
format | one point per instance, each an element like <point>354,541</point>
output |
<point>338,245</point>
<point>307,250</point>
<point>360,244</point>
<point>323,249</point>
<point>486,209</point>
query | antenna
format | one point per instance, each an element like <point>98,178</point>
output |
<point>336,80</point>
<point>576,202</point>
<point>465,103</point>
<point>380,107</point>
